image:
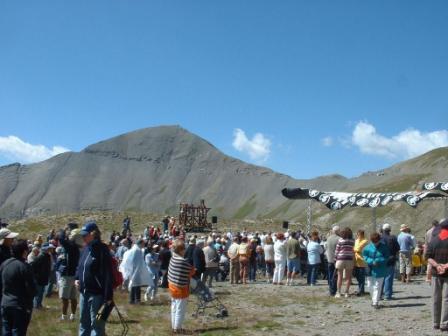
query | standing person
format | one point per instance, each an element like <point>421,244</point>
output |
<point>376,255</point>
<point>67,269</point>
<point>94,280</point>
<point>127,224</point>
<point>394,248</point>
<point>211,262</point>
<point>122,249</point>
<point>428,238</point>
<point>279,259</point>
<point>269,258</point>
<point>165,256</point>
<point>407,245</point>
<point>135,272</point>
<point>52,280</point>
<point>6,240</point>
<point>360,265</point>
<point>243,255</point>
<point>196,257</point>
<point>330,250</point>
<point>314,250</point>
<point>344,256</point>
<point>437,255</point>
<point>234,260</point>
<point>253,260</point>
<point>18,288</point>
<point>41,268</point>
<point>152,260</point>
<point>179,274</point>
<point>293,253</point>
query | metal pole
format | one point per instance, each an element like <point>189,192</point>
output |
<point>309,214</point>
<point>374,220</point>
<point>446,207</point>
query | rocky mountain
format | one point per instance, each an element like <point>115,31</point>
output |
<point>154,169</point>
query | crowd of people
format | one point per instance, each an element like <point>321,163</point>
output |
<point>81,266</point>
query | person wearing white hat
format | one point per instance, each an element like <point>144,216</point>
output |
<point>6,239</point>
<point>407,245</point>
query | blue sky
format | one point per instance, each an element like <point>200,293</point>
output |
<point>328,86</point>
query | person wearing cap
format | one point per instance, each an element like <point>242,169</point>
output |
<point>6,240</point>
<point>135,272</point>
<point>68,262</point>
<point>18,288</point>
<point>407,245</point>
<point>41,268</point>
<point>330,250</point>
<point>152,260</point>
<point>94,280</point>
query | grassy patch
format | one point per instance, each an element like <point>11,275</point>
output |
<point>246,209</point>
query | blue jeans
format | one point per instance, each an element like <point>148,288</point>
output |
<point>15,321</point>
<point>388,286</point>
<point>332,279</point>
<point>89,306</point>
<point>312,274</point>
<point>252,271</point>
<point>360,274</point>
<point>38,298</point>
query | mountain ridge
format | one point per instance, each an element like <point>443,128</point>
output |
<point>154,169</point>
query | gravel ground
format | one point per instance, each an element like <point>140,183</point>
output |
<point>262,309</point>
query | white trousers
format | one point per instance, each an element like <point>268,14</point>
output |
<point>178,310</point>
<point>279,271</point>
<point>375,286</point>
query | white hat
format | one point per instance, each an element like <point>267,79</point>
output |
<point>335,229</point>
<point>6,233</point>
<point>387,227</point>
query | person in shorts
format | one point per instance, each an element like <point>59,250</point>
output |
<point>345,263</point>
<point>293,252</point>
<point>66,266</point>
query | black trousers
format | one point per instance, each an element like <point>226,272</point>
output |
<point>135,295</point>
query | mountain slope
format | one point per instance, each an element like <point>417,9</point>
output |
<point>154,169</point>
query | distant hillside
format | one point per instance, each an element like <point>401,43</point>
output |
<point>154,169</point>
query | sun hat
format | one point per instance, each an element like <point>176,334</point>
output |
<point>7,234</point>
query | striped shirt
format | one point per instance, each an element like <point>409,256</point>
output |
<point>179,271</point>
<point>344,249</point>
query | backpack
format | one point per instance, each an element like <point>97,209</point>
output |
<point>117,277</point>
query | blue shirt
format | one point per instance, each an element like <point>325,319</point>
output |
<point>406,242</point>
<point>314,251</point>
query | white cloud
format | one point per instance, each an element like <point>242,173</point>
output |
<point>406,144</point>
<point>258,148</point>
<point>15,148</point>
<point>327,141</point>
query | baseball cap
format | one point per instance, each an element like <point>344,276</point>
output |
<point>88,228</point>
<point>6,233</point>
<point>47,246</point>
